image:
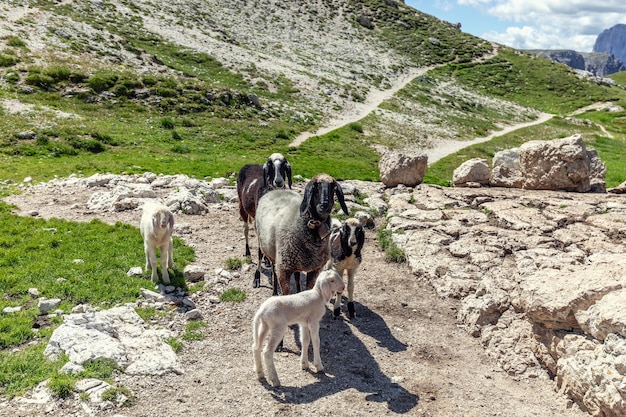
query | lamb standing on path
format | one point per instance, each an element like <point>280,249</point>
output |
<point>156,227</point>
<point>306,309</point>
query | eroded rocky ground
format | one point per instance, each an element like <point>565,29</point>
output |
<point>409,350</point>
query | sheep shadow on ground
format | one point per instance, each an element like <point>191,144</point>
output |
<point>372,324</point>
<point>350,364</point>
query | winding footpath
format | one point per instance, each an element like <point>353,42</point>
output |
<point>358,111</point>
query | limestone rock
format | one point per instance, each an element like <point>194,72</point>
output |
<point>475,170</point>
<point>506,170</point>
<point>118,334</point>
<point>396,168</point>
<point>559,164</point>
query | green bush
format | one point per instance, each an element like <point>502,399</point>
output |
<point>39,80</point>
<point>58,73</point>
<point>15,42</point>
<point>102,80</point>
<point>8,60</point>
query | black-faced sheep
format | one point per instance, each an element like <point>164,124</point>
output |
<point>156,227</point>
<point>253,181</point>
<point>306,309</point>
<point>346,243</point>
<point>293,230</point>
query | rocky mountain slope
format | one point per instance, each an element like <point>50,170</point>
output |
<point>598,63</point>
<point>612,41</point>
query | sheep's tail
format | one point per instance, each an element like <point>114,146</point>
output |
<point>258,329</point>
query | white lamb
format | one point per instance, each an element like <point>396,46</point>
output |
<point>306,309</point>
<point>156,227</point>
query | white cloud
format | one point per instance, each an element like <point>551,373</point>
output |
<point>551,24</point>
<point>527,37</point>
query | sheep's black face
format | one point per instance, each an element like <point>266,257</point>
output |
<point>323,199</point>
<point>277,170</point>
<point>351,234</point>
<point>319,197</point>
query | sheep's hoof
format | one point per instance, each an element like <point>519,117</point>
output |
<point>256,282</point>
<point>274,382</point>
<point>337,312</point>
<point>304,365</point>
<point>351,309</point>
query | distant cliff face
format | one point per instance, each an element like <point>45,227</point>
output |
<point>612,41</point>
<point>598,63</point>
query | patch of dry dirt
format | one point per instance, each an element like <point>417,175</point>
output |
<point>402,354</point>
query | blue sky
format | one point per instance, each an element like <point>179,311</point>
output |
<point>530,24</point>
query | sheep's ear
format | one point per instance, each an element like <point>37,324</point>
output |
<point>306,200</point>
<point>155,222</point>
<point>327,291</point>
<point>342,203</point>
<point>171,222</point>
<point>360,237</point>
<point>288,172</point>
<point>266,173</point>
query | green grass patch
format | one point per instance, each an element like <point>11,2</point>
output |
<point>175,344</point>
<point>393,253</point>
<point>531,81</point>
<point>119,395</point>
<point>234,295</point>
<point>76,262</point>
<point>233,263</point>
<point>193,331</point>
<point>22,370</point>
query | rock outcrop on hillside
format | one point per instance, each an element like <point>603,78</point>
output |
<point>597,63</point>
<point>540,276</point>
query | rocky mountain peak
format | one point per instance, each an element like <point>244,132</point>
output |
<point>613,41</point>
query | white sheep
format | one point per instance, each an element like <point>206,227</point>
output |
<point>346,244</point>
<point>156,227</point>
<point>306,309</point>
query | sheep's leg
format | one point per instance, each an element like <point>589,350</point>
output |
<point>146,250</point>
<point>151,262</point>
<point>170,254</point>
<point>337,304</point>
<point>260,333</point>
<point>284,278</point>
<point>315,338</point>
<point>351,293</point>
<point>275,282</point>
<point>256,282</point>
<point>246,227</point>
<point>276,337</point>
<point>164,260</point>
<point>311,277</point>
<point>305,339</point>
<point>296,275</point>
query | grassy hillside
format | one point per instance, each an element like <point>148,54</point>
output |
<point>116,95</point>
